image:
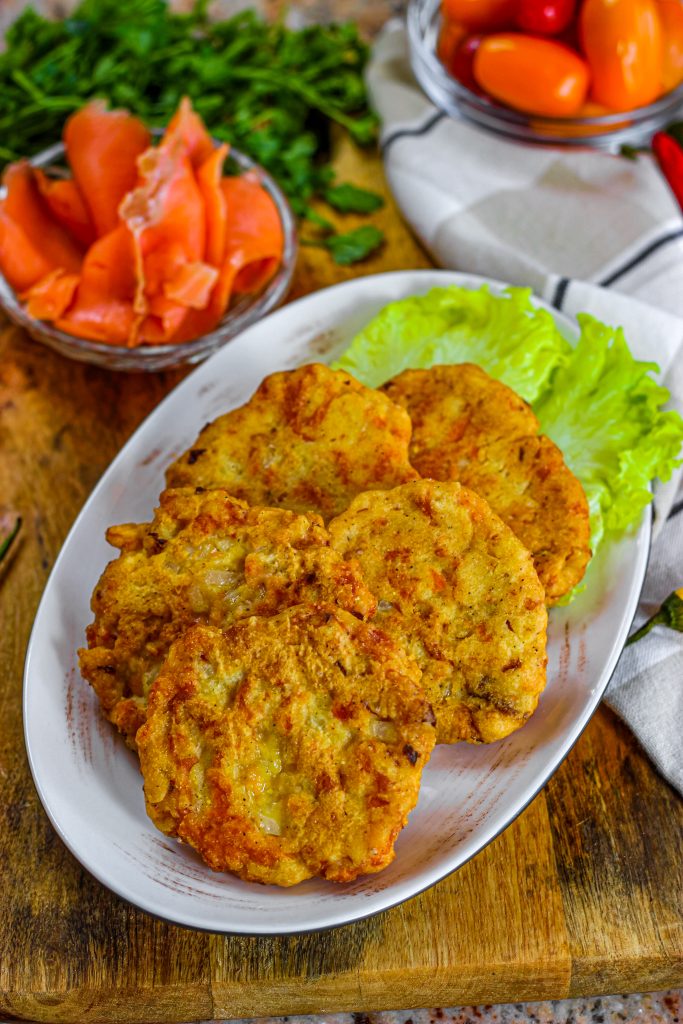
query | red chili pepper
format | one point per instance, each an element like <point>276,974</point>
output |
<point>545,17</point>
<point>670,159</point>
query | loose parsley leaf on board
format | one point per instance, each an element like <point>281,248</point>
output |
<point>351,247</point>
<point>271,91</point>
<point>350,199</point>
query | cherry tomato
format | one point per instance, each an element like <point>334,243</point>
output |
<point>622,41</point>
<point>450,37</point>
<point>462,62</point>
<point>545,17</point>
<point>592,109</point>
<point>536,76</point>
<point>480,14</point>
<point>671,16</point>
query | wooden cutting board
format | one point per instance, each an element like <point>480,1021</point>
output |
<point>581,895</point>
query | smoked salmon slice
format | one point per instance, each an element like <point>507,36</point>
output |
<point>186,131</point>
<point>167,207</point>
<point>166,218</point>
<point>163,319</point>
<point>165,215</point>
<point>44,244</point>
<point>103,147</point>
<point>51,296</point>
<point>103,303</point>
<point>192,285</point>
<point>252,251</point>
<point>201,321</point>
<point>254,238</point>
<point>215,204</point>
<point>22,262</point>
<point>67,205</point>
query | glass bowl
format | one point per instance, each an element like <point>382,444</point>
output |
<point>610,131</point>
<point>245,312</point>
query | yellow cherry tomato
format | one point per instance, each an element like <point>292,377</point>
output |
<point>534,75</point>
<point>622,41</point>
<point>671,16</point>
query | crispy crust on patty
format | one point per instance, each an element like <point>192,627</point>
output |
<point>287,747</point>
<point>455,584</point>
<point>309,440</point>
<point>471,428</point>
<point>206,557</point>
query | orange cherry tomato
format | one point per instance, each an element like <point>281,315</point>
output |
<point>622,41</point>
<point>671,16</point>
<point>534,75</point>
<point>450,37</point>
<point>480,14</point>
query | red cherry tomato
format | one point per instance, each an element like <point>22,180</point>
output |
<point>545,17</point>
<point>450,37</point>
<point>671,16</point>
<point>462,62</point>
<point>480,14</point>
<point>536,76</point>
<point>622,41</point>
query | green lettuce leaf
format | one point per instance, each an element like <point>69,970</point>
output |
<point>600,406</point>
<point>506,335</point>
<point>604,412</point>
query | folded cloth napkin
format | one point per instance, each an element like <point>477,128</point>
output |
<point>589,232</point>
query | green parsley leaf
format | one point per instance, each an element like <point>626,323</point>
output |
<point>349,198</point>
<point>350,247</point>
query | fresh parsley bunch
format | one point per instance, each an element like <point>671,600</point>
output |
<point>271,91</point>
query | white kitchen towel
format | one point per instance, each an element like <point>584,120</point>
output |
<point>589,232</point>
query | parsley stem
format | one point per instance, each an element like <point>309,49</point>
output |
<point>7,541</point>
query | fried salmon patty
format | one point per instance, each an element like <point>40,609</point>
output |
<point>309,440</point>
<point>206,557</point>
<point>471,428</point>
<point>460,590</point>
<point>287,747</point>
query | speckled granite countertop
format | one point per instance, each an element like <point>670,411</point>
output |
<point>653,1008</point>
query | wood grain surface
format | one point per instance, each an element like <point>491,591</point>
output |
<point>581,895</point>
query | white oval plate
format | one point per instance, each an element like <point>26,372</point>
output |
<point>90,784</point>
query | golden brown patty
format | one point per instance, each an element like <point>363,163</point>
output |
<point>308,440</point>
<point>206,557</point>
<point>460,589</point>
<point>287,747</point>
<point>471,428</point>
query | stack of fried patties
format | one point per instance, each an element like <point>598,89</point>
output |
<point>325,592</point>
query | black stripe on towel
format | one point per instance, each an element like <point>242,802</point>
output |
<point>560,292</point>
<point>422,130</point>
<point>677,508</point>
<point>642,256</point>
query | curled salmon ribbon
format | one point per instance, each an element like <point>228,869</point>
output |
<point>144,244</point>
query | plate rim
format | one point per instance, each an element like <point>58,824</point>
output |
<point>332,920</point>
